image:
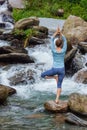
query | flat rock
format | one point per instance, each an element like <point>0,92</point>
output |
<point>73,119</point>
<point>62,106</point>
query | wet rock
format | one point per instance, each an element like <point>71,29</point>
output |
<point>73,119</point>
<point>75,30</point>
<point>3,94</point>
<point>71,54</point>
<point>78,62</point>
<point>22,78</point>
<point>2,2</point>
<point>83,47</point>
<point>10,91</point>
<point>41,29</point>
<point>78,103</point>
<point>15,58</point>
<point>59,118</point>
<point>81,76</point>
<point>9,49</point>
<point>62,106</point>
<point>6,18</point>
<point>26,23</point>
<point>35,41</point>
<point>70,69</point>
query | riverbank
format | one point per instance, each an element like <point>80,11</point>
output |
<point>49,9</point>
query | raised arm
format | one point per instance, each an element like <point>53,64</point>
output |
<point>58,32</point>
<point>64,44</point>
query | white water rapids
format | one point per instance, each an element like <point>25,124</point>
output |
<point>43,61</point>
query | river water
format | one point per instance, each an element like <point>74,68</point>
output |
<point>25,109</point>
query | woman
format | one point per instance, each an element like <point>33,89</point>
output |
<point>58,47</point>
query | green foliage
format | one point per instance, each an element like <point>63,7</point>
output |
<point>83,3</point>
<point>48,8</point>
<point>29,32</point>
<point>26,33</point>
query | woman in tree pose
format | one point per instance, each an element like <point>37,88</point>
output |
<point>58,47</point>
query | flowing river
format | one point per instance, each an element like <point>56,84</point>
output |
<point>25,109</point>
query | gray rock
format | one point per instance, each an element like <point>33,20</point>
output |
<point>80,76</point>
<point>78,103</point>
<point>73,119</point>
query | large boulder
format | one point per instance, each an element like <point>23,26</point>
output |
<point>3,94</point>
<point>16,58</point>
<point>78,103</point>
<point>10,91</point>
<point>75,30</point>
<point>33,41</point>
<point>26,23</point>
<point>5,91</point>
<point>81,76</point>
<point>9,49</point>
<point>62,106</point>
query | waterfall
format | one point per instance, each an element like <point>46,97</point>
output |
<point>6,20</point>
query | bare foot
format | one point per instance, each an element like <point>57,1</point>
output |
<point>56,101</point>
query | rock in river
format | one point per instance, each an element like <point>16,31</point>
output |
<point>62,106</point>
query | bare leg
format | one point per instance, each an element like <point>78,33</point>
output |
<point>52,77</point>
<point>58,89</point>
<point>58,95</point>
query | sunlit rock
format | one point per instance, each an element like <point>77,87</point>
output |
<point>26,23</point>
<point>75,30</point>
<point>78,103</point>
<point>62,106</point>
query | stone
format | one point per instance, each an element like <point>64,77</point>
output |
<point>82,47</point>
<point>80,76</point>
<point>41,29</point>
<point>73,119</point>
<point>10,91</point>
<point>78,103</point>
<point>75,30</point>
<point>3,94</point>
<point>22,77</point>
<point>27,23</point>
<point>62,106</point>
<point>60,12</point>
<point>16,58</point>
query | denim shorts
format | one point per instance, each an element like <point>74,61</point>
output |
<point>60,72</point>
